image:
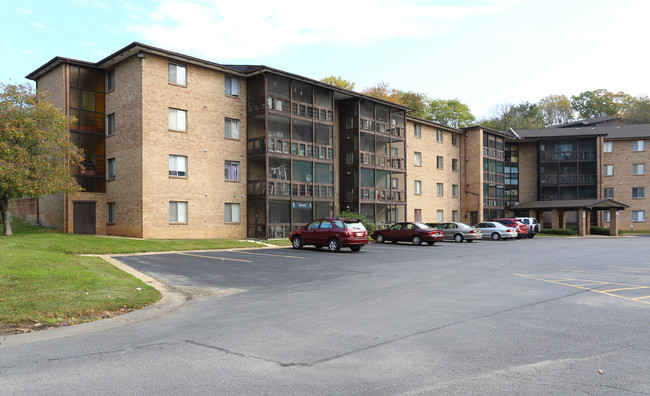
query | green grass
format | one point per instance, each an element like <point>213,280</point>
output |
<point>44,280</point>
<point>279,242</point>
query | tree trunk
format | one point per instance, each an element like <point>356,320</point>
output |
<point>4,208</point>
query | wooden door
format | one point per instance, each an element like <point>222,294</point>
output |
<point>84,217</point>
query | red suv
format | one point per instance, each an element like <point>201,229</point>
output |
<point>330,232</point>
<point>522,230</point>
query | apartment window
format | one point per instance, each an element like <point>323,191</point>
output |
<point>232,213</point>
<point>439,135</point>
<point>232,170</point>
<point>417,130</point>
<point>110,212</point>
<point>608,147</point>
<point>439,162</point>
<point>440,216</point>
<point>440,189</point>
<point>232,128</point>
<point>608,193</point>
<point>110,124</point>
<point>638,192</point>
<point>454,191</point>
<point>418,187</point>
<point>638,169</point>
<point>454,139</point>
<point>454,164</point>
<point>177,120</point>
<point>638,216</point>
<point>110,80</point>
<point>177,212</point>
<point>608,170</point>
<point>638,145</point>
<point>232,86</point>
<point>454,215</point>
<point>177,166</point>
<point>110,169</point>
<point>177,74</point>
<point>417,161</point>
<point>417,215</point>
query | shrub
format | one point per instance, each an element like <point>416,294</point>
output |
<point>559,231</point>
<point>358,216</point>
<point>599,230</point>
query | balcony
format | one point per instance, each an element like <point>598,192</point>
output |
<point>568,156</point>
<point>568,179</point>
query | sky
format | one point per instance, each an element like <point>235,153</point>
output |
<point>482,52</point>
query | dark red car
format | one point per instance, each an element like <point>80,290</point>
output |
<point>330,232</point>
<point>416,233</point>
<point>522,230</point>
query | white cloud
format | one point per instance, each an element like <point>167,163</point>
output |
<point>246,29</point>
<point>37,25</point>
<point>24,10</point>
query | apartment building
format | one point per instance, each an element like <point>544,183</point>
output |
<point>180,147</point>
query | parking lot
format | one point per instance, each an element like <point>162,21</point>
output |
<point>540,316</point>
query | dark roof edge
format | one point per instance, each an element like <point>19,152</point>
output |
<point>433,123</point>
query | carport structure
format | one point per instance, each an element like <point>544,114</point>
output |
<point>584,207</point>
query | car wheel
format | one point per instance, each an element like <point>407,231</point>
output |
<point>333,245</point>
<point>380,238</point>
<point>458,238</point>
<point>496,236</point>
<point>296,242</point>
<point>431,243</point>
<point>355,248</point>
<point>417,240</point>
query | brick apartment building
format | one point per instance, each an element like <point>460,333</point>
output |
<point>180,147</point>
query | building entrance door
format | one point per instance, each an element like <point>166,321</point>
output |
<point>84,217</point>
<point>473,218</point>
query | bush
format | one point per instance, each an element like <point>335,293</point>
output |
<point>599,230</point>
<point>358,216</point>
<point>559,231</point>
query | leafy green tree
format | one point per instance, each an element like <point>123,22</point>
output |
<point>36,156</point>
<point>383,91</point>
<point>556,109</point>
<point>338,82</point>
<point>525,115</point>
<point>348,214</point>
<point>637,110</point>
<point>599,103</point>
<point>450,112</point>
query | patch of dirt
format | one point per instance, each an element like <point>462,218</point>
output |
<point>7,329</point>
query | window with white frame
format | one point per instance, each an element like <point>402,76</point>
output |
<point>232,213</point>
<point>439,135</point>
<point>110,124</point>
<point>440,189</point>
<point>608,170</point>
<point>638,169</point>
<point>608,147</point>
<point>417,130</point>
<point>177,120</point>
<point>110,169</point>
<point>440,216</point>
<point>110,80</point>
<point>417,188</point>
<point>454,164</point>
<point>638,145</point>
<point>638,192</point>
<point>454,215</point>
<point>439,162</point>
<point>232,86</point>
<point>232,128</point>
<point>177,212</point>
<point>178,166</point>
<point>454,139</point>
<point>454,191</point>
<point>608,193</point>
<point>606,217</point>
<point>110,212</point>
<point>638,216</point>
<point>177,74</point>
<point>417,161</point>
<point>232,170</point>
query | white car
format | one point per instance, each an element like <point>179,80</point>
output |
<point>531,223</point>
<point>495,230</point>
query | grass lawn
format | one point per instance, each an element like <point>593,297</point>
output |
<point>44,282</point>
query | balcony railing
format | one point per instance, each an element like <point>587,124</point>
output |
<point>371,194</point>
<point>384,161</point>
<point>568,156</point>
<point>568,179</point>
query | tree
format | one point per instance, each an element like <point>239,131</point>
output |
<point>556,109</point>
<point>450,112</point>
<point>383,91</point>
<point>525,115</point>
<point>599,103</point>
<point>36,156</point>
<point>338,82</point>
<point>637,110</point>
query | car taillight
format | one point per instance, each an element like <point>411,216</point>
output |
<point>472,231</point>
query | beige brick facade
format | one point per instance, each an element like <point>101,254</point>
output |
<point>528,182</point>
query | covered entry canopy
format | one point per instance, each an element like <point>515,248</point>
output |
<point>582,206</point>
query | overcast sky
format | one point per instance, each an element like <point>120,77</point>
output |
<point>483,52</point>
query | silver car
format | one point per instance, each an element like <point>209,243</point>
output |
<point>495,230</point>
<point>459,232</point>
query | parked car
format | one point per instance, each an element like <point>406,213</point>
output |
<point>416,233</point>
<point>331,232</point>
<point>522,230</point>
<point>459,232</point>
<point>495,230</point>
<point>533,226</point>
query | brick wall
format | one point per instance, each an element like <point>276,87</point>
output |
<point>472,174</point>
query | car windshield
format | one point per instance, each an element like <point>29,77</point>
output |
<point>356,225</point>
<point>420,225</point>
